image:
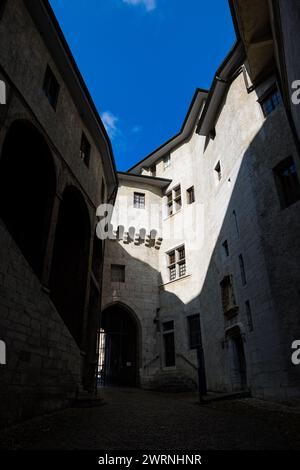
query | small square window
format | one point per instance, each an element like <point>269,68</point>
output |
<point>190,195</point>
<point>51,87</point>
<point>117,273</point>
<point>85,150</point>
<point>287,182</point>
<point>139,200</point>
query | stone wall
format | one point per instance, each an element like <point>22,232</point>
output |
<point>42,372</point>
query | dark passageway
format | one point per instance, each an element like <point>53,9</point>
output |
<point>119,357</point>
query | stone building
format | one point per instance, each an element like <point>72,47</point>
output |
<point>201,265</point>
<point>56,167</point>
<point>204,251</point>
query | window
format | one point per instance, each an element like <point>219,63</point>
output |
<point>225,249</point>
<point>85,150</point>
<point>228,298</point>
<point>287,182</point>
<point>249,315</point>
<point>174,201</point>
<point>51,87</point>
<point>169,344</point>
<point>177,199</point>
<point>117,273</point>
<point>236,224</point>
<point>242,269</point>
<point>218,171</point>
<point>153,170</point>
<point>190,195</point>
<point>167,161</point>
<point>139,200</point>
<point>176,263</point>
<point>169,204</point>
<point>270,101</point>
<point>194,331</point>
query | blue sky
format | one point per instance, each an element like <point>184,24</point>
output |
<point>142,61</point>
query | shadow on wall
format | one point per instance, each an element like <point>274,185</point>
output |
<point>249,297</point>
<point>139,297</point>
<point>249,301</point>
<point>44,363</point>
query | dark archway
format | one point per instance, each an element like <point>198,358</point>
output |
<point>119,347</point>
<point>70,263</point>
<point>27,190</point>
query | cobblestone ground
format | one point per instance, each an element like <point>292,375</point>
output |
<point>134,419</point>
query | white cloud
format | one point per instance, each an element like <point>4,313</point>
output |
<point>110,123</point>
<point>148,4</point>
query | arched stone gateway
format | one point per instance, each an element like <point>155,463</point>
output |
<point>27,190</point>
<point>119,338</point>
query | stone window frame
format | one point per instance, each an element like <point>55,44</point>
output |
<point>176,263</point>
<point>190,192</point>
<point>139,200</point>
<point>173,201</point>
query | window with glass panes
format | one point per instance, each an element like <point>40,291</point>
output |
<point>139,200</point>
<point>190,195</point>
<point>174,201</point>
<point>176,263</point>
<point>270,101</point>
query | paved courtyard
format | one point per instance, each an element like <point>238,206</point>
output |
<point>132,419</point>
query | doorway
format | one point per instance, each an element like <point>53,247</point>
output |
<point>118,347</point>
<point>238,365</point>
